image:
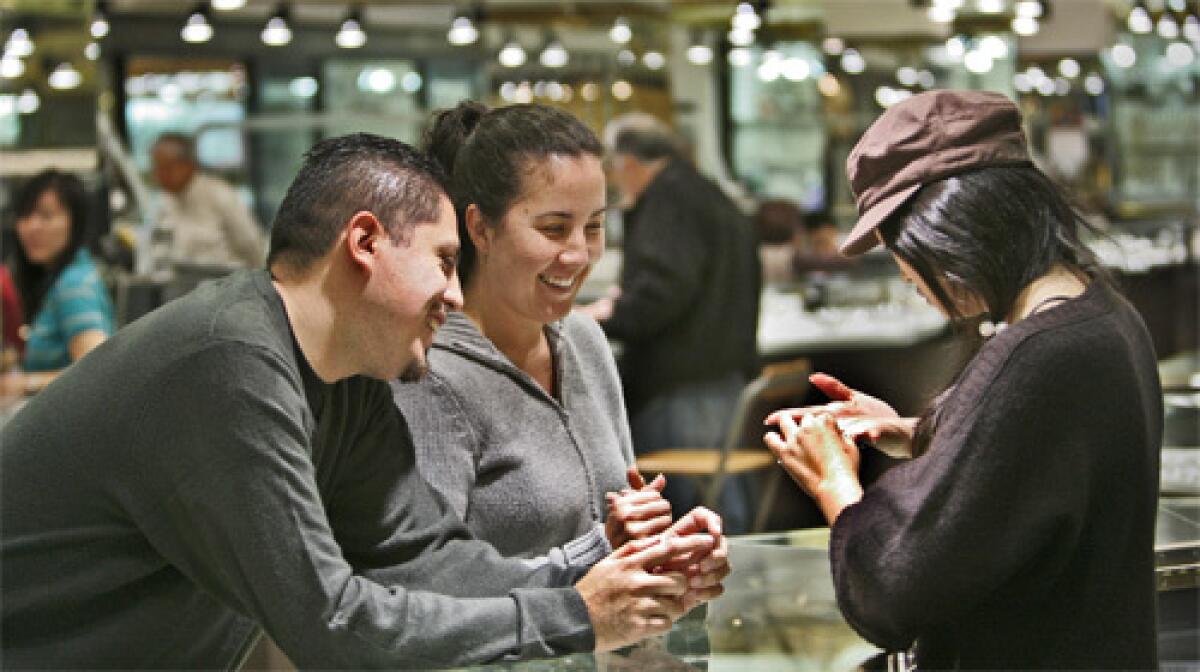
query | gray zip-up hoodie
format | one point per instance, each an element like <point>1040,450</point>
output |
<point>525,471</point>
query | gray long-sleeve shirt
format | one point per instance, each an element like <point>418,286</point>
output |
<point>526,471</point>
<point>192,478</point>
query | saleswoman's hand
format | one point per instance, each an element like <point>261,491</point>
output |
<point>819,459</point>
<point>846,401</point>
<point>859,416</point>
<point>638,511</point>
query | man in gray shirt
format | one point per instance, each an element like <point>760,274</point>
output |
<point>233,462</point>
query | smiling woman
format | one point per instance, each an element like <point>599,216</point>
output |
<point>67,308</point>
<point>521,423</point>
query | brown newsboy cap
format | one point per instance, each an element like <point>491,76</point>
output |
<point>923,139</point>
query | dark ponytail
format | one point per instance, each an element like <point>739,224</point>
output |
<point>484,151</point>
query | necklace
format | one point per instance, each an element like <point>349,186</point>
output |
<point>987,328</point>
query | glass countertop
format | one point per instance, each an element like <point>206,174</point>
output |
<point>779,612</point>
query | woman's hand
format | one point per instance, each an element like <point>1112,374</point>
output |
<point>638,511</point>
<point>858,416</point>
<point>819,459</point>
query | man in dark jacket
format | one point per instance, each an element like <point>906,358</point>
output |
<point>687,313</point>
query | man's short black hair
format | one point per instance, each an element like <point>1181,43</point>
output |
<point>351,173</point>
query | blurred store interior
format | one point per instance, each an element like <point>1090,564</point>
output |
<point>770,95</point>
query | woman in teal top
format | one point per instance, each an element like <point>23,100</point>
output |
<point>67,307</point>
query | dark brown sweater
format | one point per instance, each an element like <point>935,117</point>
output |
<point>1024,537</point>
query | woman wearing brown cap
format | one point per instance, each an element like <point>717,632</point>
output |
<point>1021,534</point>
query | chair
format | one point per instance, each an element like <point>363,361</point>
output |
<point>743,449</point>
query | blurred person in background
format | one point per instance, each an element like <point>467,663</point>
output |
<point>234,462</point>
<point>63,297</point>
<point>1021,533</point>
<point>687,311</point>
<point>209,224</point>
<point>12,317</point>
<point>521,423</point>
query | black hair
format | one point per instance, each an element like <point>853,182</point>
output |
<point>646,143</point>
<point>34,281</point>
<point>347,174</point>
<point>987,233</point>
<point>487,153</point>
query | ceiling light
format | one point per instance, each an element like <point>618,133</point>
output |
<point>512,54</point>
<point>277,32</point>
<point>1069,68</point>
<point>770,69</point>
<point>64,77</point>
<point>994,46</point>
<point>1022,83</point>
<point>853,62</point>
<point>1093,84</point>
<point>740,37</point>
<point>654,60</point>
<point>1180,54</point>
<point>351,34</point>
<point>554,55</point>
<point>1030,8</point>
<point>740,57</point>
<point>795,69</point>
<point>926,79</point>
<point>11,67</point>
<point>411,81</point>
<point>833,45</point>
<point>228,5</point>
<point>462,31</point>
<point>626,58</point>
<point>1168,28</point>
<point>1177,5</point>
<point>92,51</point>
<point>1139,20</point>
<point>99,27</point>
<point>620,31</point>
<point>978,61</point>
<point>303,87</point>
<point>1191,28</point>
<point>1123,55</point>
<point>197,28</point>
<point>1025,26</point>
<point>19,43</point>
<point>745,18</point>
<point>699,53</point>
<point>955,48</point>
<point>376,80</point>
<point>622,90</point>
<point>907,76</point>
<point>28,102</point>
<point>990,6</point>
<point>940,14</point>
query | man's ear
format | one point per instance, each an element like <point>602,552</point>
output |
<point>477,229</point>
<point>364,235</point>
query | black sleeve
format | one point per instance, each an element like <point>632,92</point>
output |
<point>665,266</point>
<point>935,537</point>
<point>241,514</point>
